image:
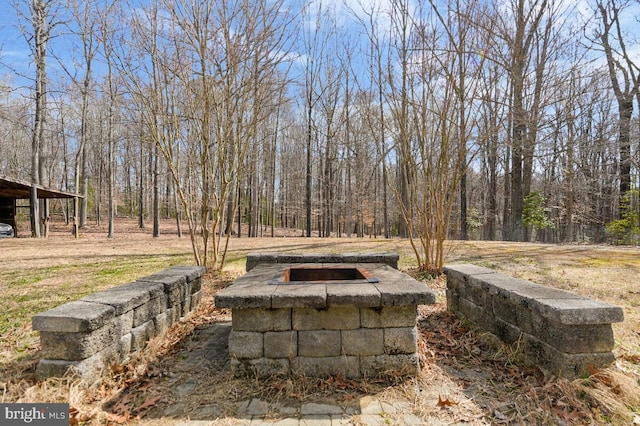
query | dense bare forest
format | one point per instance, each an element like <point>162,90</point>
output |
<point>425,119</point>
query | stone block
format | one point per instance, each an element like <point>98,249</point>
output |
<point>570,366</point>
<point>319,343</point>
<point>574,339</point>
<point>476,291</point>
<point>525,317</point>
<point>261,319</point>
<point>80,345</point>
<point>460,273</point>
<point>506,331</point>
<point>174,284</point>
<point>350,258</point>
<point>453,304</point>
<point>478,315</point>
<point>363,341</point>
<point>403,291</point>
<point>175,296</point>
<point>502,283</point>
<point>177,311</point>
<point>255,259</point>
<point>196,285</point>
<point>536,291</point>
<point>196,299</point>
<point>185,298</point>
<point>122,299</point>
<point>296,258</point>
<point>149,310</point>
<point>185,306</point>
<point>140,335</point>
<point>346,366</point>
<point>162,323</point>
<point>389,316</point>
<point>299,296</point>
<point>390,259</point>
<point>400,341</point>
<point>74,317</point>
<point>332,318</point>
<point>359,295</point>
<point>88,369</point>
<point>261,368</point>
<point>54,368</point>
<point>246,344</point>
<point>280,344</point>
<point>92,368</point>
<point>169,278</point>
<point>191,273</point>
<point>581,311</point>
<point>249,291</point>
<point>393,365</point>
<point>154,289</point>
<point>124,345</point>
<point>503,307</point>
<point>173,315</point>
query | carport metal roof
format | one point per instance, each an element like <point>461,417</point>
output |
<point>11,188</point>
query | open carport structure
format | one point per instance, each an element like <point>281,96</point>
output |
<point>12,190</point>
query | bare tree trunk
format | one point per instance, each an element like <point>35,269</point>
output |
<point>493,188</point>
<point>111,175</point>
<point>619,63</point>
<point>309,169</point>
<point>39,20</point>
<point>141,189</point>
<point>156,193</point>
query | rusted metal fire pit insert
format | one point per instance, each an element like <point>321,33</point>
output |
<point>318,274</point>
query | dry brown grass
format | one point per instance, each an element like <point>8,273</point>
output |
<point>467,376</point>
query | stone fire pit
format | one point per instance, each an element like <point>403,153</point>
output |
<point>320,315</point>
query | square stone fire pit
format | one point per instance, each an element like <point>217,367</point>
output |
<point>320,315</point>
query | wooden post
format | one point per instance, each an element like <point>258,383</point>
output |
<point>45,218</point>
<point>75,217</point>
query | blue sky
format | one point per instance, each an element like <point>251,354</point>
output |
<point>17,69</point>
<point>15,54</point>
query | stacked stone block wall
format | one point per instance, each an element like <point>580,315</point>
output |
<point>346,340</point>
<point>87,335</point>
<point>255,259</point>
<point>559,331</point>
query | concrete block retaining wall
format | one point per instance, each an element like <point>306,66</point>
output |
<point>86,335</point>
<point>559,331</point>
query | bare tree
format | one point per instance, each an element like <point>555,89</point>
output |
<point>315,40</point>
<point>107,41</point>
<point>84,25</point>
<point>398,101</point>
<point>624,74</point>
<point>41,18</point>
<point>528,30</point>
<point>377,121</point>
<point>215,63</point>
<point>441,115</point>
